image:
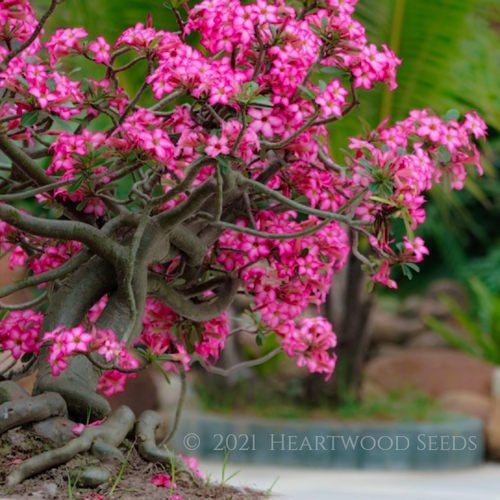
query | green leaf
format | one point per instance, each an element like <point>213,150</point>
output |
<point>261,101</point>
<point>63,123</point>
<point>76,184</point>
<point>479,337</point>
<point>450,336</point>
<point>406,271</point>
<point>366,126</point>
<point>413,266</point>
<point>162,371</point>
<point>233,158</point>
<point>452,114</point>
<point>51,84</point>
<point>22,80</point>
<point>224,164</point>
<point>444,155</point>
<point>86,87</point>
<point>250,87</point>
<point>28,356</point>
<point>29,119</point>
<point>406,220</point>
<point>367,164</point>
<point>82,205</point>
<point>310,92</point>
<point>332,70</point>
<point>322,84</point>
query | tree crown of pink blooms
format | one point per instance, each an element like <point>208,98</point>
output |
<point>214,179</point>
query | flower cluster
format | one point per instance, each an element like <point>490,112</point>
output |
<point>66,343</point>
<point>17,20</point>
<point>19,332</point>
<point>252,126</point>
<point>311,343</point>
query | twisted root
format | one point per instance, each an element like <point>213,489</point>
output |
<point>101,441</point>
<point>35,409</point>
<point>112,432</point>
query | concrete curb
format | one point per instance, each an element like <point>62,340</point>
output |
<point>454,444</point>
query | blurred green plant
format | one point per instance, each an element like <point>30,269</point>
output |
<point>451,60</point>
<point>481,325</point>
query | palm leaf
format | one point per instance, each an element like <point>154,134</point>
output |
<point>427,37</point>
<point>451,337</point>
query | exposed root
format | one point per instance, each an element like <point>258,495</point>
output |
<point>101,441</point>
<point>93,476</point>
<point>10,391</point>
<point>32,409</point>
<point>56,431</point>
<point>145,429</point>
<point>79,398</point>
<point>113,431</point>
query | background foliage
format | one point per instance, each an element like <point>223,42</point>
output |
<point>451,59</point>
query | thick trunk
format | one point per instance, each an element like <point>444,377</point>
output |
<point>77,384</point>
<point>79,292</point>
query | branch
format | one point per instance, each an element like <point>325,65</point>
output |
<point>198,312</point>
<point>187,242</point>
<point>288,140</point>
<point>25,305</point>
<point>270,236</point>
<point>105,367</point>
<point>188,207</point>
<point>262,53</point>
<point>24,371</point>
<point>95,239</point>
<point>31,39</point>
<point>68,267</point>
<point>58,273</point>
<point>126,274</point>
<point>358,254</point>
<point>203,287</point>
<point>180,404</point>
<point>166,100</point>
<point>243,181</point>
<point>240,366</point>
<point>273,167</point>
<point>191,172</point>
<point>32,192</point>
<point>28,166</point>
<point>327,162</point>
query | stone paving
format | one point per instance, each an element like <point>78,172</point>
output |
<point>481,483</point>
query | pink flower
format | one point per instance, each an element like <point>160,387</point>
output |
<point>163,480</point>
<point>382,276</point>
<point>217,146</point>
<point>416,247</point>
<point>101,50</point>
<point>264,122</point>
<point>192,463</point>
<point>79,428</point>
<point>77,339</point>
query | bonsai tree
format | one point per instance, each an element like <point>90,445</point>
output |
<point>151,212</point>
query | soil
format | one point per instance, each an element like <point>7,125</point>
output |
<point>19,444</point>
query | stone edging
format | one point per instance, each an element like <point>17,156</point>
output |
<point>402,446</point>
